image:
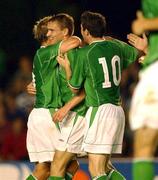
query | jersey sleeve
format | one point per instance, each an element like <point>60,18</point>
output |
<point>130,54</point>
<point>78,71</point>
<point>71,54</point>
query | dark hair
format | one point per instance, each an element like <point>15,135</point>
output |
<point>95,23</point>
<point>65,21</point>
<point>40,29</point>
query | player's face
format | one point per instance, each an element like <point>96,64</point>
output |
<point>55,33</point>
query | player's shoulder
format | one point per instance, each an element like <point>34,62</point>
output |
<point>120,44</point>
<point>83,49</point>
<point>49,48</point>
<point>82,52</point>
<point>40,52</point>
<point>41,49</point>
<point>109,42</point>
<point>116,42</point>
<point>53,46</point>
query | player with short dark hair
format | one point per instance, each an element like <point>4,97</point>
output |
<point>98,68</point>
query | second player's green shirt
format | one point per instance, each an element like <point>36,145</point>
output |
<point>99,66</point>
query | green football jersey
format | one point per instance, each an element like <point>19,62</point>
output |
<point>45,70</point>
<point>150,10</point>
<point>66,94</point>
<point>99,67</point>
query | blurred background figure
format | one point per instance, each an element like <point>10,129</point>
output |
<point>24,69</point>
<point>144,106</point>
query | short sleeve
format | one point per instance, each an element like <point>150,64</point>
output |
<point>130,54</point>
<point>78,71</point>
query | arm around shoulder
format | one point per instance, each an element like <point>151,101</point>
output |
<point>70,43</point>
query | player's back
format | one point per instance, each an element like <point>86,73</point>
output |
<point>45,69</point>
<point>104,62</point>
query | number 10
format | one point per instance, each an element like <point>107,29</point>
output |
<point>107,83</point>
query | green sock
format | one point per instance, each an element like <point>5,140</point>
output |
<point>115,175</point>
<point>56,178</point>
<point>68,176</point>
<point>101,177</point>
<point>143,169</point>
<point>31,177</point>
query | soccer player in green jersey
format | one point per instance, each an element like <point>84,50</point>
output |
<point>98,68</point>
<point>42,135</point>
<point>72,125</point>
<point>144,105</point>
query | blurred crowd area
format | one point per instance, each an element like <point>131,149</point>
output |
<point>16,104</point>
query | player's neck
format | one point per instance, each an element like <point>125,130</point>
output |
<point>66,37</point>
<point>44,44</point>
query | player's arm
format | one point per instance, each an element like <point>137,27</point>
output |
<point>142,24</point>
<point>70,43</point>
<point>62,112</point>
<point>64,62</point>
<point>31,86</point>
<point>77,75</point>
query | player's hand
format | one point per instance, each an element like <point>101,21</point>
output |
<point>31,89</point>
<point>60,114</point>
<point>138,24</point>
<point>63,61</point>
<point>140,43</point>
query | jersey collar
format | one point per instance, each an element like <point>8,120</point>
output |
<point>97,41</point>
<point>42,46</point>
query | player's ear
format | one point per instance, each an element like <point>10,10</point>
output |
<point>65,31</point>
<point>87,32</point>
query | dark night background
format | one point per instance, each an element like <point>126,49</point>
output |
<point>18,16</point>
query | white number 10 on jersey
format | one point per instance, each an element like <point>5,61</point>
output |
<point>115,60</point>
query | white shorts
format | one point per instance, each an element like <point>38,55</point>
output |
<point>144,105</point>
<point>42,135</point>
<point>104,129</point>
<point>71,133</point>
